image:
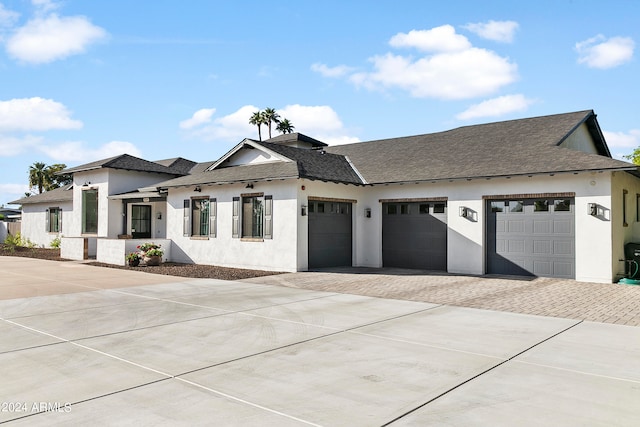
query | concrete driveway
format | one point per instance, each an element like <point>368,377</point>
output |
<point>117,347</point>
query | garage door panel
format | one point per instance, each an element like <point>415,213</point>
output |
<point>539,242</point>
<point>330,234</point>
<point>414,236</point>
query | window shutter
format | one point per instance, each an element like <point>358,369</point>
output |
<point>268,215</point>
<point>46,221</point>
<point>185,218</point>
<point>213,208</point>
<point>59,220</point>
<point>235,229</point>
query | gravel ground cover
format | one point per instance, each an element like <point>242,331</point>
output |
<point>169,268</point>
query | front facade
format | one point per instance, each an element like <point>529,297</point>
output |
<point>539,196</point>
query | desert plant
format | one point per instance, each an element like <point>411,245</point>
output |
<point>55,243</point>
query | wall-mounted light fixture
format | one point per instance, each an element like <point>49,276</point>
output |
<point>250,185</point>
<point>367,212</point>
<point>86,183</point>
<point>303,210</point>
<point>592,209</point>
<point>468,214</point>
<point>464,211</point>
<point>159,215</point>
<point>197,189</point>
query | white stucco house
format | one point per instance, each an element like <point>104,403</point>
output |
<point>537,196</point>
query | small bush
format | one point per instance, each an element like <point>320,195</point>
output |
<point>55,243</point>
<point>13,241</point>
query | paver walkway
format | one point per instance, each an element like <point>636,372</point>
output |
<point>598,302</point>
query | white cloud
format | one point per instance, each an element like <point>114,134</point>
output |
<point>500,31</point>
<point>456,75</point>
<point>439,39</point>
<point>496,107</point>
<point>12,145</point>
<point>10,192</point>
<point>46,39</point>
<point>199,118</point>
<point>7,17</point>
<point>320,122</point>
<point>35,114</point>
<point>620,140</point>
<point>326,71</point>
<point>603,53</point>
<point>76,151</point>
<point>44,6</point>
<point>452,68</point>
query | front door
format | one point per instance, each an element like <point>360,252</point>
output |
<point>140,221</point>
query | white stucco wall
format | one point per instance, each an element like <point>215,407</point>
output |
<point>279,253</point>
<point>466,252</point>
<point>621,233</point>
<point>34,220</point>
<point>3,231</point>
<point>113,251</point>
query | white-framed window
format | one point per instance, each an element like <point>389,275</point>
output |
<point>200,217</point>
<point>53,222</point>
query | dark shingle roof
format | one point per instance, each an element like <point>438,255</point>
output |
<point>310,164</point>
<point>257,172</point>
<point>516,147</point>
<point>288,138</point>
<point>181,165</point>
<point>62,194</point>
<point>126,162</point>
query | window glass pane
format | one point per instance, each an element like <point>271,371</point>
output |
<point>200,217</point>
<point>438,208</point>
<point>54,220</point>
<point>252,216</point>
<point>392,209</point>
<point>312,207</point>
<point>497,206</point>
<point>424,208</point>
<point>516,206</point>
<point>320,207</point>
<point>404,209</point>
<point>563,205</point>
<point>541,206</point>
<point>90,211</point>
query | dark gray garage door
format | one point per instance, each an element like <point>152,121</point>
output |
<point>414,235</point>
<point>531,237</point>
<point>329,234</point>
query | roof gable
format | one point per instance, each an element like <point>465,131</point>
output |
<point>248,152</point>
<point>124,162</point>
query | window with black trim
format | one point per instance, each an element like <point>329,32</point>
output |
<point>424,208</point>
<point>200,217</point>
<point>253,216</point>
<point>54,220</point>
<point>562,205</point>
<point>90,211</point>
<point>541,206</point>
<point>439,207</point>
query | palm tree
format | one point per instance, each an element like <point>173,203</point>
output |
<point>285,126</point>
<point>38,176</point>
<point>257,119</point>
<point>270,116</point>
<point>56,180</point>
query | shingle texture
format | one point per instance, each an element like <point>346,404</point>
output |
<point>62,194</point>
<point>126,162</point>
<point>289,138</point>
<point>516,147</point>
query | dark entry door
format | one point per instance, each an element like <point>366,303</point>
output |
<point>414,235</point>
<point>141,221</point>
<point>531,237</point>
<point>330,234</point>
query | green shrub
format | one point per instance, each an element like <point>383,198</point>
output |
<point>13,241</point>
<point>55,243</point>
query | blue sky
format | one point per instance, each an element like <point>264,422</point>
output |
<point>86,80</point>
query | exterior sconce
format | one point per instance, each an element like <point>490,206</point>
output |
<point>367,212</point>
<point>464,212</point>
<point>159,215</point>
<point>592,209</point>
<point>250,185</point>
<point>303,210</point>
<point>86,183</point>
<point>197,189</point>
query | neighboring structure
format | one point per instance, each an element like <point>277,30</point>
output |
<point>45,215</point>
<point>537,196</point>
